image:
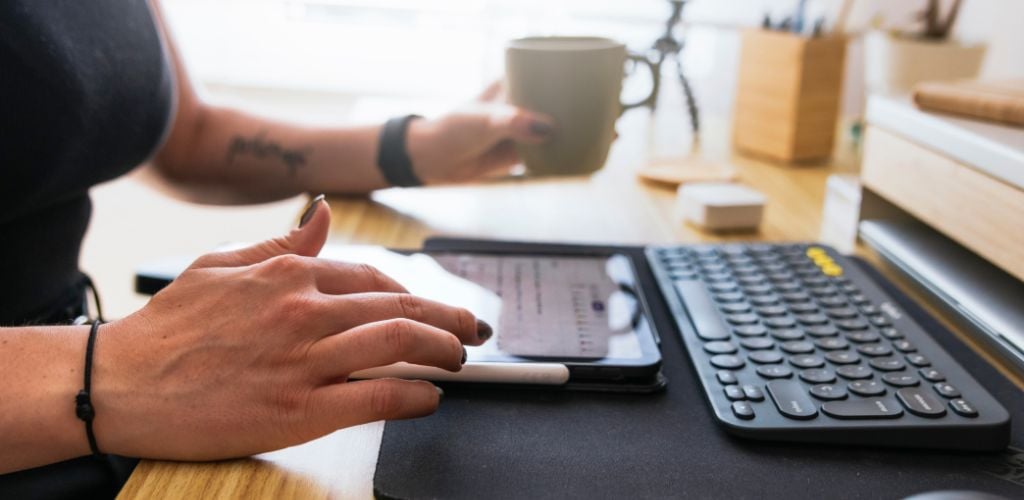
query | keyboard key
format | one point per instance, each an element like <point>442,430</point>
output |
<point>890,333</point>
<point>788,286</point>
<point>817,376</point>
<point>802,307</point>
<point>866,388</point>
<point>725,377</point>
<point>859,299</point>
<point>823,291</point>
<point>742,319</point>
<point>932,375</point>
<point>764,300</point>
<point>806,361</point>
<point>734,307</point>
<point>750,330</point>
<point>734,393</point>
<point>758,289</point>
<point>765,357</point>
<point>743,409</point>
<point>812,319</point>
<point>822,330</point>
<point>879,320</point>
<point>723,287</point>
<point>828,392</point>
<point>719,347</point>
<point>795,297</point>
<point>757,343</point>
<point>753,393</point>
<point>963,408</point>
<point>774,371</point>
<point>918,360</point>
<point>787,334</point>
<point>842,312</point>
<point>862,337</point>
<point>852,324</point>
<point>921,403</point>
<point>887,364</point>
<point>862,409</point>
<point>854,372</point>
<point>727,297</point>
<point>832,343</point>
<point>874,350</point>
<point>900,379</point>
<point>791,400</point>
<point>797,347</point>
<point>780,322</point>
<point>869,309</point>
<point>836,301</point>
<point>843,357</point>
<point>774,310</point>
<point>702,311</point>
<point>727,361</point>
<point>947,390</point>
<point>904,346</point>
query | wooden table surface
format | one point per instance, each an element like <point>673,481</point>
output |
<point>612,206</point>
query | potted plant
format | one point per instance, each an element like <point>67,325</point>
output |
<point>896,60</point>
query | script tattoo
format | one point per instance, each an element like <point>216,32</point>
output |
<point>259,147</point>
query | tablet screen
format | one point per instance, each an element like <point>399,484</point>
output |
<point>540,306</point>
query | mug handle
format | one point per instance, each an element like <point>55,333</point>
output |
<point>655,80</point>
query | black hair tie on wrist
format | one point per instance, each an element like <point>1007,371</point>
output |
<point>392,157</point>
<point>83,402</point>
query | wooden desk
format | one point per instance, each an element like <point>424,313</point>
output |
<point>611,206</point>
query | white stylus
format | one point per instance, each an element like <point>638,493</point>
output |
<point>493,373</point>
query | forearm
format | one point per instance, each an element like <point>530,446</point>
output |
<point>41,369</point>
<point>226,155</point>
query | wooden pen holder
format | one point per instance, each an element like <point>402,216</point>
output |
<point>787,97</point>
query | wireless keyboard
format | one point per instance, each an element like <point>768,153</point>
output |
<point>792,342</point>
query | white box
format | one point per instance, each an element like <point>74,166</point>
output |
<point>720,206</point>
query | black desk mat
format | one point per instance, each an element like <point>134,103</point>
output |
<point>523,443</point>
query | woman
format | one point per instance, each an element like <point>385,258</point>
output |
<point>248,351</point>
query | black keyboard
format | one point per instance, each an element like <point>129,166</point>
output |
<point>792,342</point>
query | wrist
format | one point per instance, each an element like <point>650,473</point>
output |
<point>418,142</point>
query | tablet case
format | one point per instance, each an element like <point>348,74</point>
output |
<point>523,443</point>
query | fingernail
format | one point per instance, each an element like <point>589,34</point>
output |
<point>540,128</point>
<point>440,392</point>
<point>464,355</point>
<point>483,330</point>
<point>310,210</point>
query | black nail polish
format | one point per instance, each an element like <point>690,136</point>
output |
<point>483,330</point>
<point>310,210</point>
<point>464,355</point>
<point>540,128</point>
<point>440,392</point>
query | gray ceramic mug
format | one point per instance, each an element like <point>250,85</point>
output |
<point>578,81</point>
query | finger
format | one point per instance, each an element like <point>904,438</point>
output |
<point>306,240</point>
<point>383,343</point>
<point>354,403</point>
<point>500,159</point>
<point>340,278</point>
<point>494,91</point>
<point>520,125</point>
<point>341,313</point>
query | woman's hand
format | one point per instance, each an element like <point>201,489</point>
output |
<point>249,351</point>
<point>474,142</point>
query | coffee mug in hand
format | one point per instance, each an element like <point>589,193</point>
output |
<point>578,81</point>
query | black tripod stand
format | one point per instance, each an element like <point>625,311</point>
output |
<point>669,45</point>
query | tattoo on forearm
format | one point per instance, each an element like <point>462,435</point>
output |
<point>259,147</point>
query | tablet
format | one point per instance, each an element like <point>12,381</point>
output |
<point>557,319</point>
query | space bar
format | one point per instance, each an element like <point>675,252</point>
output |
<point>703,312</point>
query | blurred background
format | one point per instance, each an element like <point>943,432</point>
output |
<point>345,61</point>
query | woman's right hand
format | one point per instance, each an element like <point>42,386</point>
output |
<point>249,351</point>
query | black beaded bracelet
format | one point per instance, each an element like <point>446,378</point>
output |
<point>392,157</point>
<point>83,401</point>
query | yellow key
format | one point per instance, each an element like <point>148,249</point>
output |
<point>832,270</point>
<point>811,252</point>
<point>822,260</point>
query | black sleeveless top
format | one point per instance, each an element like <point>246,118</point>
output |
<point>86,94</point>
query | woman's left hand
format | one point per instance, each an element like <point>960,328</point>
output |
<point>474,142</point>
